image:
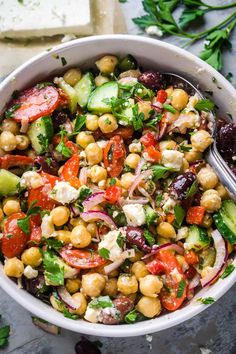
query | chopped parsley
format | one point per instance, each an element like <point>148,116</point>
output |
<point>79,123</point>
<point>104,253</point>
<point>179,215</point>
<point>150,215</point>
<point>228,270</point>
<point>15,94</point>
<point>112,181</point>
<point>169,108</point>
<point>24,223</point>
<point>63,61</point>
<point>134,316</point>
<point>41,85</point>
<point>206,300</point>
<point>53,244</point>
<point>192,190</point>
<point>4,334</point>
<point>101,302</point>
<point>159,171</point>
<point>120,240</point>
<point>138,118</point>
<point>204,105</point>
<point>152,123</point>
<point>10,112</point>
<point>149,237</point>
<point>181,288</point>
<point>43,141</point>
<point>61,147</point>
<point>53,271</point>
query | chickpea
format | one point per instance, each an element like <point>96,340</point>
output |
<point>84,138</point>
<point>107,64</point>
<point>56,304</point>
<point>100,80</point>
<point>179,99</point>
<point>201,140</point>
<point>137,257</point>
<point>107,123</point>
<point>149,306</point>
<point>72,76</point>
<point>126,180</point>
<point>82,304</point>
<point>63,236</point>
<point>192,156</point>
<point>97,173</point>
<point>80,237</point>
<point>2,153</point>
<point>22,142</point>
<point>207,221</point>
<point>91,122</point>
<point>7,141</point>
<point>92,228</point>
<point>150,285</point>
<point>222,191</point>
<point>13,267</point>
<point>93,284</point>
<point>185,165</point>
<point>210,200</point>
<point>9,125</point>
<point>31,153</point>
<point>167,145</point>
<point>132,160</point>
<point>110,287</point>
<point>169,91</point>
<point>77,221</point>
<point>60,215</point>
<point>1,215</point>
<point>94,154</point>
<point>32,256</point>
<point>139,269</point>
<point>166,230</point>
<point>11,206</point>
<point>163,240</point>
<point>73,285</point>
<point>145,108</point>
<point>207,178</point>
<point>127,284</point>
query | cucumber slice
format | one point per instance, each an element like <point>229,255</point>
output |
<point>105,91</point>
<point>40,133</point>
<point>229,208</point>
<point>197,238</point>
<point>207,258</point>
<point>127,114</point>
<point>70,92</point>
<point>83,89</point>
<point>9,183</point>
<point>225,226</point>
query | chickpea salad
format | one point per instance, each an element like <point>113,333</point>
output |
<point>109,211</point>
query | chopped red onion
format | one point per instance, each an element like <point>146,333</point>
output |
<point>68,126</point>
<point>113,266</point>
<point>166,246</point>
<point>157,106</point>
<point>67,298</point>
<point>221,258</point>
<point>83,175</point>
<point>75,210</point>
<point>94,215</point>
<point>135,200</point>
<point>139,167</point>
<point>92,200</point>
<point>138,179</point>
<point>146,194</point>
<point>194,282</point>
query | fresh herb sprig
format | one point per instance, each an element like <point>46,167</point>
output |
<point>24,223</point>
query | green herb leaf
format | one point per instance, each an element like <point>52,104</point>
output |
<point>67,314</point>
<point>190,15</point>
<point>152,123</point>
<point>53,271</point>
<point>134,316</point>
<point>61,147</point>
<point>204,105</point>
<point>79,123</point>
<point>169,108</point>
<point>41,85</point>
<point>192,190</point>
<point>112,181</point>
<point>10,112</point>
<point>104,253</point>
<point>53,244</point>
<point>179,215</point>
<point>24,224</point>
<point>150,215</point>
<point>149,237</point>
<point>159,171</point>
<point>63,61</point>
<point>206,300</point>
<point>84,193</point>
<point>181,288</point>
<point>43,140</point>
<point>4,334</point>
<point>120,240</point>
<point>101,302</point>
<point>33,209</point>
<point>138,118</point>
<point>228,270</point>
<point>185,148</point>
<point>158,200</point>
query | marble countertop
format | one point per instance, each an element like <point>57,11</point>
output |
<point>214,329</point>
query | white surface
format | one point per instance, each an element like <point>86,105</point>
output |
<point>145,50</point>
<point>37,18</point>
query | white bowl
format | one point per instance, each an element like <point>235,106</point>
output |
<point>150,54</point>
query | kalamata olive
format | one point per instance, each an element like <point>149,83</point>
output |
<point>226,141</point>
<point>84,346</point>
<point>123,305</point>
<point>37,287</point>
<point>47,165</point>
<point>181,184</point>
<point>151,79</point>
<point>134,236</point>
<point>59,118</point>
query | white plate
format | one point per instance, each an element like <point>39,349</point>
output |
<point>150,53</point>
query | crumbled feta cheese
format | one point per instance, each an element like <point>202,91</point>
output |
<point>30,273</point>
<point>154,31</point>
<point>31,179</point>
<point>92,315</point>
<point>135,147</point>
<point>169,205</point>
<point>182,233</point>
<point>47,226</point>
<point>111,311</point>
<point>176,275</point>
<point>64,193</point>
<point>193,100</point>
<point>110,243</point>
<point>188,119</point>
<point>172,159</point>
<point>135,214</point>
<point>102,143</point>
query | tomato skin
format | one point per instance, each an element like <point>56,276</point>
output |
<point>155,267</point>
<point>70,171</point>
<point>161,96</point>
<point>35,236</point>
<point>8,161</point>
<point>148,140</point>
<point>123,132</point>
<point>195,215</point>
<point>191,257</point>
<point>13,246</point>
<point>82,259</point>
<point>35,103</point>
<point>114,156</point>
<point>153,154</point>
<point>72,146</point>
<point>113,194</point>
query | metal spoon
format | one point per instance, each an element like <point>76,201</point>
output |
<point>212,156</point>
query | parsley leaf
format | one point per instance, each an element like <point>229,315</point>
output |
<point>79,123</point>
<point>207,300</point>
<point>153,122</point>
<point>63,61</point>
<point>120,240</point>
<point>190,15</point>
<point>192,190</point>
<point>61,147</point>
<point>149,237</point>
<point>159,171</point>
<point>24,223</point>
<point>138,118</point>
<point>101,302</point>
<point>67,314</point>
<point>134,316</point>
<point>150,215</point>
<point>4,334</point>
<point>53,244</point>
<point>104,253</point>
<point>228,270</point>
<point>112,181</point>
<point>181,288</point>
<point>204,105</point>
<point>53,271</point>
<point>10,112</point>
<point>44,84</point>
<point>179,215</point>
<point>169,108</point>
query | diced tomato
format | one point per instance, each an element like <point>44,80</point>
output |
<point>170,218</point>
<point>35,103</point>
<point>35,236</point>
<point>72,146</point>
<point>14,240</point>
<point>148,139</point>
<point>113,194</point>
<point>153,154</point>
<point>189,274</point>
<point>195,215</point>
<point>8,161</point>
<point>57,139</point>
<point>161,96</point>
<point>170,261</point>
<point>191,257</point>
<point>114,156</point>
<point>155,267</point>
<point>162,127</point>
<point>124,132</point>
<point>82,259</point>
<point>70,171</point>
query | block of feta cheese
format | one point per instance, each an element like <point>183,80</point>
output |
<point>38,18</point>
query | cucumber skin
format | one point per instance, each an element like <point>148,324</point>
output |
<point>70,92</point>
<point>87,79</point>
<point>223,228</point>
<point>8,183</point>
<point>104,108</point>
<point>197,238</point>
<point>228,207</point>
<point>48,125</point>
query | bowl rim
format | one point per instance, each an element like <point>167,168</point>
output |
<point>148,326</point>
